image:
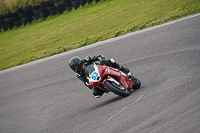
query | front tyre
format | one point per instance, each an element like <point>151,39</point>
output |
<point>117,89</point>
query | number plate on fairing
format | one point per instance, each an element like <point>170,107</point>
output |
<point>94,75</point>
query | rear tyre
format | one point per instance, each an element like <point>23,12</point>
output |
<point>137,83</point>
<point>117,89</point>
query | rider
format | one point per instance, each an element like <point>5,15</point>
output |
<point>78,66</point>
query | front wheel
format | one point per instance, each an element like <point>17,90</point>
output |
<point>117,89</point>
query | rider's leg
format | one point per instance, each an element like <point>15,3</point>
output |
<point>111,62</point>
<point>118,66</point>
<point>123,69</point>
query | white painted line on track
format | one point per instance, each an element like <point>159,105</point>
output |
<point>118,112</point>
<point>123,109</point>
<point>99,43</point>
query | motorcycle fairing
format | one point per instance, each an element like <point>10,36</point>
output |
<point>96,73</point>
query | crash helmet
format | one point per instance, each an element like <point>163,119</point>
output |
<point>75,64</point>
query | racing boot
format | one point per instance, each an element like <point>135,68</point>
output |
<point>130,76</point>
<point>125,70</point>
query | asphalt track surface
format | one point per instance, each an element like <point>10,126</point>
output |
<point>46,97</point>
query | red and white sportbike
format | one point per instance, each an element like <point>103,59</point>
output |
<point>111,79</point>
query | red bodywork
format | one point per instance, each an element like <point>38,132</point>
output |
<point>105,71</point>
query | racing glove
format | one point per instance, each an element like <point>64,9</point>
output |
<point>88,58</point>
<point>84,80</point>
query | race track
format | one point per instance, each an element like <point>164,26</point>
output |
<point>46,96</point>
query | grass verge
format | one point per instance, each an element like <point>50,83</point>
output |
<point>87,25</point>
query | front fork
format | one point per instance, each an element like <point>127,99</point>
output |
<point>111,79</point>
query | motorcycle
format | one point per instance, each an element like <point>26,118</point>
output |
<point>111,79</point>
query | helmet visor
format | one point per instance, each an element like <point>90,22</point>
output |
<point>76,68</point>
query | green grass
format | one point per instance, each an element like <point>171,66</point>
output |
<point>87,25</point>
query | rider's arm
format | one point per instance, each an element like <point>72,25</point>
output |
<point>98,58</point>
<point>84,80</point>
<point>89,59</point>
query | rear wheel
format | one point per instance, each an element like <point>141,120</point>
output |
<point>137,83</point>
<point>117,89</point>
